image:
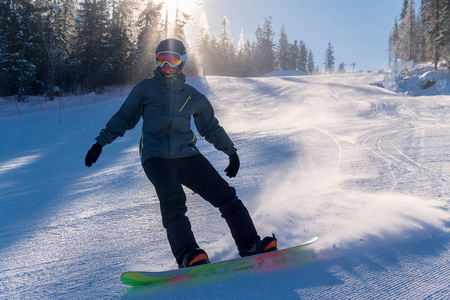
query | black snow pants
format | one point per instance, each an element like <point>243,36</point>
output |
<point>196,173</point>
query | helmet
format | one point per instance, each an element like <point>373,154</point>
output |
<point>172,45</point>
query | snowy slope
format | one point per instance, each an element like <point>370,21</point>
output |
<point>363,168</point>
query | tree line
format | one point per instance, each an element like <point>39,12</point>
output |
<point>423,35</point>
<point>49,46</point>
<point>219,56</point>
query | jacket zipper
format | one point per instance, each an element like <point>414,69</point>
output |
<point>172,108</point>
<point>189,98</point>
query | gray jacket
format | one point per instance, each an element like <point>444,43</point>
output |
<point>166,106</point>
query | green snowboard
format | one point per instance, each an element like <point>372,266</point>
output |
<point>264,261</point>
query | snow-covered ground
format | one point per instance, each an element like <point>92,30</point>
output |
<point>335,156</point>
<point>421,80</point>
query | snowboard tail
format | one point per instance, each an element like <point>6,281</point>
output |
<point>264,261</point>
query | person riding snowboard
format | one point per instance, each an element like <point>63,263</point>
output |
<point>170,158</point>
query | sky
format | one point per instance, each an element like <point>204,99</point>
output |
<point>357,29</point>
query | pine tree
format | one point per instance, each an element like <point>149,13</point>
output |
<point>67,29</point>
<point>19,48</point>
<point>295,53</point>
<point>431,14</point>
<point>8,49</point>
<point>241,42</point>
<point>95,16</point>
<point>310,64</point>
<point>341,68</point>
<point>329,59</point>
<point>443,40</point>
<point>394,42</point>
<point>264,52</point>
<point>407,33</point>
<point>404,10</point>
<point>244,66</point>
<point>284,51</point>
<point>226,57</point>
<point>240,54</point>
<point>181,20</point>
<point>302,57</point>
<point>207,48</point>
<point>150,32</point>
<point>58,28</point>
<point>202,40</point>
<point>423,37</point>
<point>420,43</point>
<point>214,50</point>
<point>119,44</point>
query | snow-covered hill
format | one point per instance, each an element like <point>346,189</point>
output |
<point>334,156</point>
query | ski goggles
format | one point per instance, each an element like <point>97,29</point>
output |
<point>172,58</point>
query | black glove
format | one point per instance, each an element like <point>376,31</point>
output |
<point>233,167</point>
<point>93,154</point>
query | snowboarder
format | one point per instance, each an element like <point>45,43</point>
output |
<point>170,158</point>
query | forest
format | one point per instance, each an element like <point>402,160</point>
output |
<point>423,34</point>
<point>52,46</point>
<point>49,47</point>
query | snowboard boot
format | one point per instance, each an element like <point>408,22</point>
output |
<point>194,257</point>
<point>268,244</point>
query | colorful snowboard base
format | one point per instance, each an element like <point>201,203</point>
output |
<point>264,261</point>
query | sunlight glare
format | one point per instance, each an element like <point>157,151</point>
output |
<point>186,6</point>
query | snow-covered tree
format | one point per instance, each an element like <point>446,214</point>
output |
<point>20,48</point>
<point>120,44</point>
<point>284,53</point>
<point>407,33</point>
<point>226,55</point>
<point>241,42</point>
<point>419,40</point>
<point>95,23</point>
<point>393,42</point>
<point>329,59</point>
<point>443,40</point>
<point>58,32</point>
<point>207,48</point>
<point>202,40</point>
<point>302,57</point>
<point>182,19</point>
<point>264,52</point>
<point>404,10</point>
<point>48,46</point>
<point>422,37</point>
<point>243,63</point>
<point>295,53</point>
<point>310,64</point>
<point>150,32</point>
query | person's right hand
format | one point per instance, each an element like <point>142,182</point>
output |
<point>233,167</point>
<point>93,154</point>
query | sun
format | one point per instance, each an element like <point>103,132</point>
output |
<point>186,6</point>
<point>169,12</point>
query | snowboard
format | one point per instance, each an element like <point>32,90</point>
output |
<point>265,261</point>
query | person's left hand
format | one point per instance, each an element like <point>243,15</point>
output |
<point>93,154</point>
<point>234,165</point>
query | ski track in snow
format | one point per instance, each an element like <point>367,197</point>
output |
<point>334,156</point>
